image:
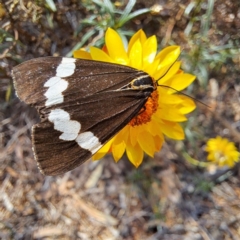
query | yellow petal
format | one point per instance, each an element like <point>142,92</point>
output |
<point>149,50</point>
<point>181,81</point>
<point>139,35</point>
<point>187,105</point>
<point>135,55</point>
<point>151,68</point>
<point>103,151</point>
<point>168,99</point>
<point>168,55</point>
<point>115,47</point>
<point>118,150</point>
<point>82,54</point>
<point>99,55</point>
<point>146,142</point>
<point>98,156</point>
<point>154,128</point>
<point>122,135</point>
<point>170,114</point>
<point>133,135</point>
<point>158,142</point>
<point>164,74</point>
<point>172,130</point>
<point>135,154</point>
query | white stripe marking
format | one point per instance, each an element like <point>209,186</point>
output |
<point>54,93</point>
<point>66,67</point>
<point>61,119</point>
<point>56,84</point>
<point>62,123</point>
<point>88,141</point>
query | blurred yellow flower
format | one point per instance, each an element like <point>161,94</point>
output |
<point>222,152</point>
<point>163,111</point>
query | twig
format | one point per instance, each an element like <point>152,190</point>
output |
<point>224,122</point>
<point>3,55</point>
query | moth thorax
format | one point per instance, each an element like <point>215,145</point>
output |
<point>142,82</point>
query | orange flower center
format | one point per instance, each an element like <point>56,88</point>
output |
<point>147,111</point>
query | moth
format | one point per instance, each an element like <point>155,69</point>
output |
<point>82,104</point>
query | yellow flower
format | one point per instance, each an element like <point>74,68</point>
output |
<point>163,111</point>
<point>222,152</point>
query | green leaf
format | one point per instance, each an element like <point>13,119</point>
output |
<point>127,10</point>
<point>133,15</point>
<point>109,6</point>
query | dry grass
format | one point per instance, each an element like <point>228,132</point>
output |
<point>166,198</point>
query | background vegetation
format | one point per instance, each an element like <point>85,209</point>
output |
<point>167,197</point>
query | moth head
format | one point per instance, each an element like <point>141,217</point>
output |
<point>142,83</point>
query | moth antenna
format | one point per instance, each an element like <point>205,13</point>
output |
<point>166,72</point>
<point>176,89</point>
<point>179,92</point>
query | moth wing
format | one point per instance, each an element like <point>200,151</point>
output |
<point>81,104</point>
<point>56,156</point>
<point>31,78</point>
